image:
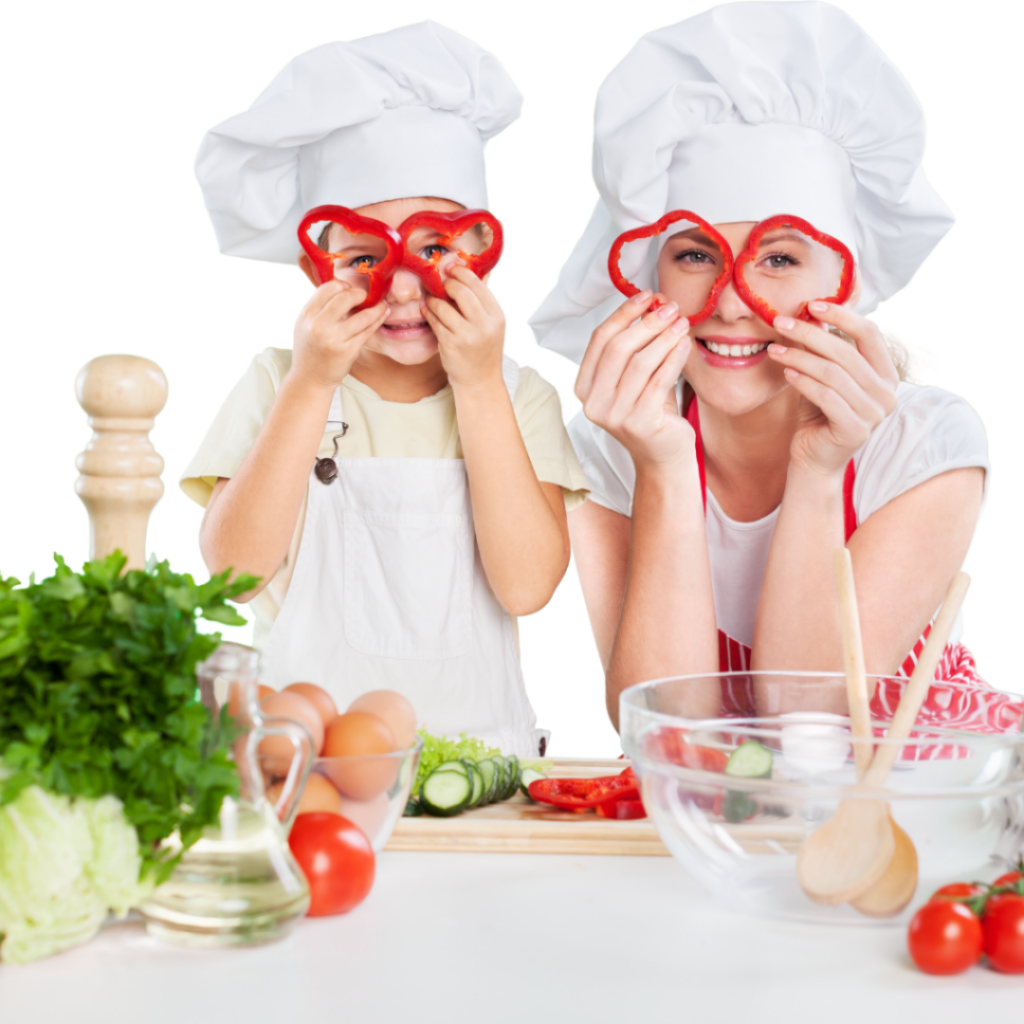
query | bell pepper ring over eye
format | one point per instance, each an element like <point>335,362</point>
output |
<point>650,231</point>
<point>378,275</point>
<point>759,283</point>
<point>450,227</point>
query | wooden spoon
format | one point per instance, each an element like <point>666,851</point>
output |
<point>851,851</point>
<point>896,888</point>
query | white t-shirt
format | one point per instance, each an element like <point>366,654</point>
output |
<point>930,431</point>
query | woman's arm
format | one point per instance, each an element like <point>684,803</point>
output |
<point>250,519</point>
<point>903,556</point>
<point>520,522</point>
<point>646,580</point>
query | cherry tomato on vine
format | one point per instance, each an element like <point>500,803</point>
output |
<point>1010,878</point>
<point>1003,925</point>
<point>944,937</point>
<point>957,891</point>
<point>337,860</point>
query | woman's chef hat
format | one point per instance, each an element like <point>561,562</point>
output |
<point>740,113</point>
<point>404,113</point>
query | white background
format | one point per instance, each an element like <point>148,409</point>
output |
<point>107,248</point>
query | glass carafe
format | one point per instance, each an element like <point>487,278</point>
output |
<point>238,885</point>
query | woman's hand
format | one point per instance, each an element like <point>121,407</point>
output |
<point>847,389</point>
<point>328,339</point>
<point>471,333</point>
<point>627,379</point>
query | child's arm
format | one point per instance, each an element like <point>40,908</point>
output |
<point>250,519</point>
<point>520,523</point>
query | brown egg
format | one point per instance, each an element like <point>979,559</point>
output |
<point>350,746</point>
<point>276,752</point>
<point>369,815</point>
<point>319,698</point>
<point>396,712</point>
<point>319,795</point>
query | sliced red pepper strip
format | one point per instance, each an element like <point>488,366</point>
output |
<point>581,794</point>
<point>762,308</point>
<point>672,745</point>
<point>622,810</point>
<point>629,289</point>
<point>449,227</point>
<point>379,275</point>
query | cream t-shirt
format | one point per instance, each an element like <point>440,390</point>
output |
<point>376,428</point>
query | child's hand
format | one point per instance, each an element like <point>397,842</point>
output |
<point>327,339</point>
<point>471,333</point>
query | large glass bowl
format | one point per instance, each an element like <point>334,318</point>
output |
<point>958,794</point>
<point>374,788</point>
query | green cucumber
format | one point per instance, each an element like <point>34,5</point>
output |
<point>750,760</point>
<point>486,768</point>
<point>478,786</point>
<point>511,777</point>
<point>737,807</point>
<point>413,808</point>
<point>445,793</point>
<point>528,775</point>
<point>462,767</point>
<point>499,778</point>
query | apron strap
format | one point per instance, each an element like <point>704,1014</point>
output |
<point>849,476</point>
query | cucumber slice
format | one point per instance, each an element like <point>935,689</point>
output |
<point>499,778</point>
<point>750,760</point>
<point>454,766</point>
<point>511,777</point>
<point>737,807</point>
<point>413,808</point>
<point>445,793</point>
<point>528,775</point>
<point>477,780</point>
<point>486,769</point>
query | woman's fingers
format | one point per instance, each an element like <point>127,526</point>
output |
<point>833,376</point>
<point>652,401</point>
<point>847,426</point>
<point>629,311</point>
<point>641,368</point>
<point>620,349</point>
<point>870,342</point>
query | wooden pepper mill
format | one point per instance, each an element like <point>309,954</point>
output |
<point>120,481</point>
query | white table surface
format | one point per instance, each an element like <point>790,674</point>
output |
<point>490,938</point>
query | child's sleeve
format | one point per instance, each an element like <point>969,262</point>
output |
<point>235,428</point>
<point>539,415</point>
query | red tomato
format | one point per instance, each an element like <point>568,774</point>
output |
<point>958,891</point>
<point>337,860</point>
<point>944,937</point>
<point>1004,933</point>
<point>1010,878</point>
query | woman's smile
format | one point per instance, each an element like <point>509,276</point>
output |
<point>733,352</point>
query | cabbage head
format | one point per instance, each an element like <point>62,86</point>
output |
<point>65,863</point>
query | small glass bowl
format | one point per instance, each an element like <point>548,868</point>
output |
<point>374,789</point>
<point>959,795</point>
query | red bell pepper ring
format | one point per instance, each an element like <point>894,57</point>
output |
<point>583,794</point>
<point>732,268</point>
<point>763,308</point>
<point>379,275</point>
<point>449,227</point>
<point>629,289</point>
<point>622,810</point>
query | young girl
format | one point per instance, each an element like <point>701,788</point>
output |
<point>707,543</point>
<point>399,487</point>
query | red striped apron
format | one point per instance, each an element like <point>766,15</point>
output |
<point>970,704</point>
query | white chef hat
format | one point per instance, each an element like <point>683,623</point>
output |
<point>740,113</point>
<point>404,113</point>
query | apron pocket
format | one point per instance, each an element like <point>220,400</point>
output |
<point>408,584</point>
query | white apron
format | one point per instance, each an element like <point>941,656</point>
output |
<point>389,593</point>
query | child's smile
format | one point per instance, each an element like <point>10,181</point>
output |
<point>405,329</point>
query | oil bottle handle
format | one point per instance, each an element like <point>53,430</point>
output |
<point>298,771</point>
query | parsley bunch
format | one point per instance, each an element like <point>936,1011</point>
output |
<point>98,694</point>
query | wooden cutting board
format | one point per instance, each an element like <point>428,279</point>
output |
<point>521,826</point>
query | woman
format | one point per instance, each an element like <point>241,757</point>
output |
<point>796,433</point>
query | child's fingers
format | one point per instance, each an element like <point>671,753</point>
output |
<point>484,295</point>
<point>629,311</point>
<point>340,305</point>
<point>332,291</point>
<point>442,311</point>
<point>367,322</point>
<point>465,298</point>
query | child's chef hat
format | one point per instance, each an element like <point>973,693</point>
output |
<point>743,112</point>
<point>403,113</point>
